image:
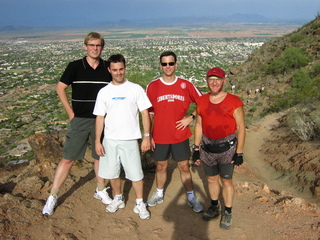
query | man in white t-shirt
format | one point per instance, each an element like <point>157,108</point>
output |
<point>117,109</point>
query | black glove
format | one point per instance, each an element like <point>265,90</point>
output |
<point>195,155</point>
<point>237,159</point>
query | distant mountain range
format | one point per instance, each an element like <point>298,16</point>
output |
<point>205,21</point>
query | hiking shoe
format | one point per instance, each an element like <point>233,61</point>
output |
<point>196,206</point>
<point>154,200</point>
<point>103,195</point>
<point>115,205</point>
<point>211,213</point>
<point>226,220</point>
<point>142,210</point>
<point>50,205</point>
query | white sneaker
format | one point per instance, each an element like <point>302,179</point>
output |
<point>142,210</point>
<point>103,195</point>
<point>51,204</point>
<point>115,205</point>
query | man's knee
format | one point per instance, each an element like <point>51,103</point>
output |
<point>227,183</point>
<point>66,162</point>
<point>162,166</point>
<point>184,166</point>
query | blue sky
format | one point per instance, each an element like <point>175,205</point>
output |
<point>79,12</point>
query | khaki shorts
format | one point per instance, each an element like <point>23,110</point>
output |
<point>77,139</point>
<point>117,153</point>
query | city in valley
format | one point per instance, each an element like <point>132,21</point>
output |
<point>32,62</point>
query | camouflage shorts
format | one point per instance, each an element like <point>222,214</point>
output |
<point>212,159</point>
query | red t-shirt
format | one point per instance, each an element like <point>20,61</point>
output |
<point>217,119</point>
<point>170,103</point>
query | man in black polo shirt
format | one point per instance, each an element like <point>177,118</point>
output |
<point>86,77</point>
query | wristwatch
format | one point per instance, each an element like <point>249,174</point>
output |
<point>195,146</point>
<point>146,134</point>
<point>193,116</point>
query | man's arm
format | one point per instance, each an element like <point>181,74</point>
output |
<point>241,128</point>
<point>61,91</point>
<point>238,114</point>
<point>151,117</point>
<point>197,139</point>
<point>146,123</point>
<point>99,129</point>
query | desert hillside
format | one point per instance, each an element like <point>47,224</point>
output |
<point>264,208</point>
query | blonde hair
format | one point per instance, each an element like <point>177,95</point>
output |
<point>94,35</point>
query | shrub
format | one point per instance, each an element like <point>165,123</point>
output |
<point>301,124</point>
<point>297,37</point>
<point>291,58</point>
<point>300,78</point>
<point>315,70</point>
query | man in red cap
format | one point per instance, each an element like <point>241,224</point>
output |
<point>219,137</point>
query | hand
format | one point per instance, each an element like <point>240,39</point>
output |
<point>99,149</point>
<point>183,123</point>
<point>237,159</point>
<point>153,144</point>
<point>146,144</point>
<point>71,116</point>
<point>195,155</point>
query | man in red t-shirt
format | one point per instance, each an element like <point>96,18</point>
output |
<point>170,97</point>
<point>219,137</point>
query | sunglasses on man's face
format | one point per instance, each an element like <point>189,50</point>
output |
<point>165,64</point>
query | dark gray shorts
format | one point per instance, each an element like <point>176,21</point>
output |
<point>224,170</point>
<point>77,139</point>
<point>179,151</point>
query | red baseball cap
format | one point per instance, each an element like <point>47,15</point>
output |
<point>218,72</point>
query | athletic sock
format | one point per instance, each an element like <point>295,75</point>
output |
<point>190,195</point>
<point>54,191</point>
<point>100,186</point>
<point>138,201</point>
<point>228,209</point>
<point>119,197</point>
<point>214,202</point>
<point>160,192</point>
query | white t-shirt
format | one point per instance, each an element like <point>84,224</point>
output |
<point>120,104</point>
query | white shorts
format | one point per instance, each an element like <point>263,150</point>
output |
<point>117,153</point>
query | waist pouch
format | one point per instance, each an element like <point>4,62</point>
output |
<point>218,147</point>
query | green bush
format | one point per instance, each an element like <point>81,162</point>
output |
<point>297,37</point>
<point>315,70</point>
<point>291,58</point>
<point>300,78</point>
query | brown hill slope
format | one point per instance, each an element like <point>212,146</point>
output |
<point>263,209</point>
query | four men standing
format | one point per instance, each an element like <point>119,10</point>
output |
<point>218,138</point>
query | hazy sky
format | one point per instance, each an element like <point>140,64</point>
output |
<point>71,12</point>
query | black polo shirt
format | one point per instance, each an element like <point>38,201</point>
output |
<point>86,83</point>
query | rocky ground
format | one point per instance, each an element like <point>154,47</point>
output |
<point>268,205</point>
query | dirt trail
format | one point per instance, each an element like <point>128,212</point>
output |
<point>261,210</point>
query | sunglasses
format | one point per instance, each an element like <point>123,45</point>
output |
<point>165,64</point>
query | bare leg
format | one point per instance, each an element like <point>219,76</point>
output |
<point>227,192</point>
<point>161,174</point>
<point>62,173</point>
<point>214,187</point>
<point>96,170</point>
<point>138,188</point>
<point>185,175</point>
<point>116,186</point>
